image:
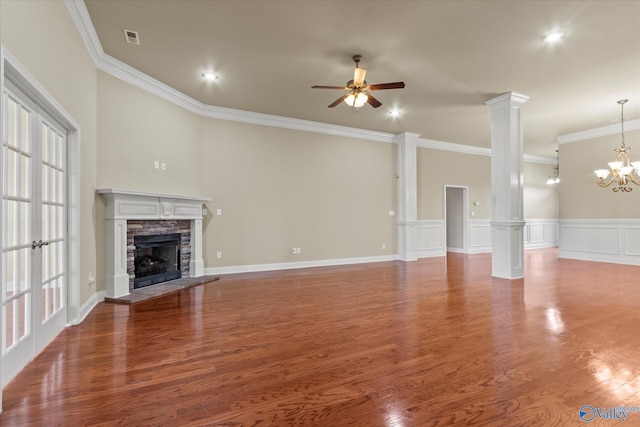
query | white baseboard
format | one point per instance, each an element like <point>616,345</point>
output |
<point>88,305</point>
<point>586,256</point>
<point>299,264</point>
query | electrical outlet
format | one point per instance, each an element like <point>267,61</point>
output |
<point>92,280</point>
<point>384,246</point>
<point>218,211</point>
<point>164,166</point>
<point>219,255</point>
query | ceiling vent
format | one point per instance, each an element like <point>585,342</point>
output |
<point>132,37</point>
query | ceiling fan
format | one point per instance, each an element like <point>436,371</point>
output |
<point>358,88</point>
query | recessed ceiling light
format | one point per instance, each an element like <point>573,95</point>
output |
<point>554,37</point>
<point>394,113</point>
<point>210,76</point>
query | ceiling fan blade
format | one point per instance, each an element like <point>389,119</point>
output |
<point>373,102</point>
<point>338,101</point>
<point>358,76</point>
<point>395,85</point>
<point>329,87</point>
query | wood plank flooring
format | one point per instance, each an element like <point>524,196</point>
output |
<point>428,343</point>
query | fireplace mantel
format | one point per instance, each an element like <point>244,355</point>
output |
<point>123,205</point>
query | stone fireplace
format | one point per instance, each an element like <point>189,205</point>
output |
<point>157,251</point>
<point>151,238</point>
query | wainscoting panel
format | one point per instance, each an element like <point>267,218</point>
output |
<point>431,238</point>
<point>605,240</point>
<point>538,233</point>
<point>479,236</point>
<point>632,241</point>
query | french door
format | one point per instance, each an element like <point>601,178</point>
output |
<point>34,231</point>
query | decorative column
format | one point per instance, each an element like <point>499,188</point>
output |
<point>507,222</point>
<point>196,264</point>
<point>407,195</point>
<point>116,277</point>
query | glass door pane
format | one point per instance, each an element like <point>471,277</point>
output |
<point>53,226</point>
<point>17,222</point>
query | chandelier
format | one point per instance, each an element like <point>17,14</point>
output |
<point>556,173</point>
<point>622,171</point>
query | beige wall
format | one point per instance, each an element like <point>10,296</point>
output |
<point>580,197</point>
<point>279,189</point>
<point>540,200</point>
<point>474,171</point>
<point>435,171</point>
<point>134,129</point>
<point>42,36</point>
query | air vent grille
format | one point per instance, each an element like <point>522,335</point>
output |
<point>132,37</point>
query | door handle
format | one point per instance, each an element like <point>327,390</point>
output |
<point>39,244</point>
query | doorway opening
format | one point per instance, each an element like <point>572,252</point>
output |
<point>455,215</point>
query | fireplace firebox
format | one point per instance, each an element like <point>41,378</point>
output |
<point>156,259</point>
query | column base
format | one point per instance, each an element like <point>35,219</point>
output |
<point>117,286</point>
<point>408,241</point>
<point>196,268</point>
<point>507,249</point>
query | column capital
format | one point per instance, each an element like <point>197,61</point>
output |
<point>508,97</point>
<point>405,136</point>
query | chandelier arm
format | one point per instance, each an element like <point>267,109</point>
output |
<point>603,183</point>
<point>633,179</point>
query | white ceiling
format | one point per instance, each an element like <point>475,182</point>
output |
<point>452,55</point>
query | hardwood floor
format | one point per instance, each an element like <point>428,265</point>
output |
<point>433,342</point>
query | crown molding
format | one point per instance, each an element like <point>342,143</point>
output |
<point>597,132</point>
<point>458,148</point>
<point>110,65</point>
<point>478,151</point>
<point>223,113</point>
<point>80,16</point>
<point>540,159</point>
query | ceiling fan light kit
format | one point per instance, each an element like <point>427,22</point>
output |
<point>358,88</point>
<point>356,100</point>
